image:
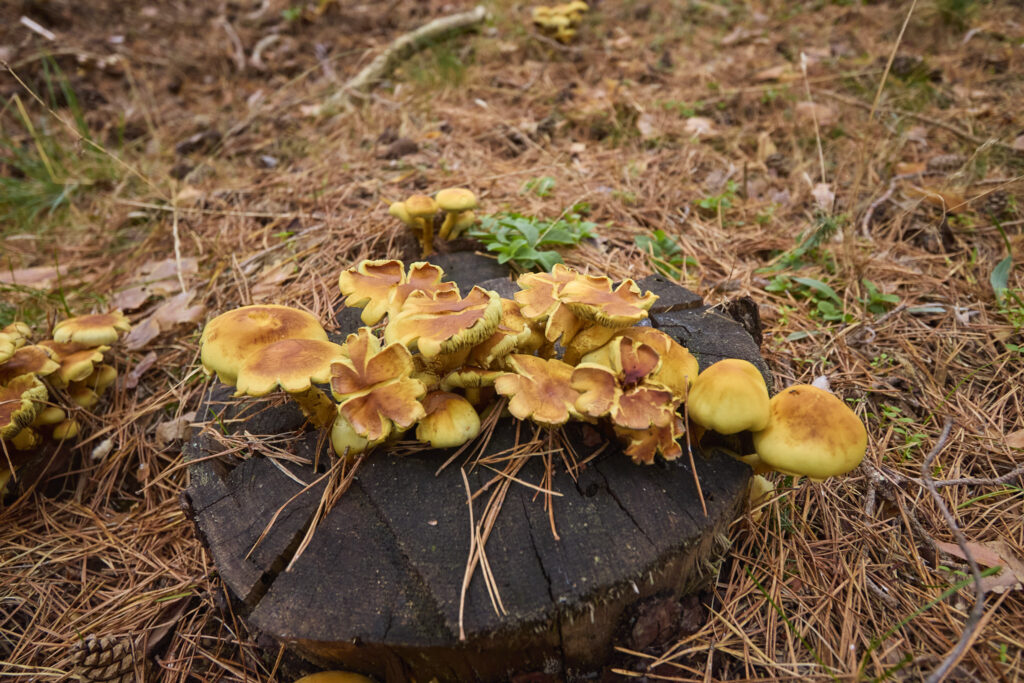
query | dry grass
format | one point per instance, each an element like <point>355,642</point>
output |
<point>842,579</point>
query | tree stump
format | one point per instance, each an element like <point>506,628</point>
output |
<point>378,588</point>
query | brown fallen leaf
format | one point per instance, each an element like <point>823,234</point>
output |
<point>173,430</point>
<point>700,127</point>
<point>906,168</point>
<point>131,380</point>
<point>141,334</point>
<point>178,310</point>
<point>994,554</point>
<point>1015,439</point>
<point>808,111</point>
<point>38,277</point>
<point>272,278</point>
<point>946,199</point>
<point>166,269</point>
<point>131,298</point>
<point>782,72</point>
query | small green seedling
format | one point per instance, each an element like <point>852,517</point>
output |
<point>521,240</point>
<point>665,254</point>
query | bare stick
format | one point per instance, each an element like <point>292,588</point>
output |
<point>978,609</point>
<point>401,49</point>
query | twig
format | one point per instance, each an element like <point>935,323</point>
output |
<point>892,57</point>
<point>978,609</point>
<point>401,49</point>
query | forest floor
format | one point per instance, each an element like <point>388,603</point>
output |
<point>860,182</point>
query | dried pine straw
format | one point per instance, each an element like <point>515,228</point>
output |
<point>851,578</point>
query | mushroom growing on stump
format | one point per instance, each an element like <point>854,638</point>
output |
<point>77,361</point>
<point>458,204</point>
<point>294,365</point>
<point>810,432</point>
<point>450,420</point>
<point>35,360</point>
<point>375,391</point>
<point>228,339</point>
<point>539,390</point>
<point>444,322</point>
<point>12,338</point>
<point>729,397</point>
<point>381,287</point>
<point>20,400</point>
<point>605,310</point>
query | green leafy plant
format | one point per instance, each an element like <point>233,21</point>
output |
<point>721,201</point>
<point>542,187</point>
<point>522,240</point>
<point>875,301</point>
<point>808,249</point>
<point>665,254</point>
<point>828,304</point>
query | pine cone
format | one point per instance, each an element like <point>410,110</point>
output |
<point>945,163</point>
<point>996,203</point>
<point>104,660</point>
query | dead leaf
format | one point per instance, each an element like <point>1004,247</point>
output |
<point>131,380</point>
<point>646,126</point>
<point>38,277</point>
<point>994,554</point>
<point>824,197</point>
<point>1018,144</point>
<point>272,278</point>
<point>177,311</point>
<point>131,298</point>
<point>177,429</point>
<point>945,199</point>
<point>166,269</point>
<point>982,555</point>
<point>1015,439</point>
<point>808,111</point>
<point>141,334</point>
<point>700,127</point>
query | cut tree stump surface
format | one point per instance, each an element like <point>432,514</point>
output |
<point>378,588</point>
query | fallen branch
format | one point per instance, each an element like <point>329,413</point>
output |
<point>401,49</point>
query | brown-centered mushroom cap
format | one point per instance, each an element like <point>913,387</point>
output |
<point>20,400</point>
<point>632,406</point>
<point>456,202</point>
<point>374,387</point>
<point>92,330</point>
<point>678,368</point>
<point>593,298</point>
<point>643,444</point>
<point>539,390</point>
<point>811,432</point>
<point>450,420</point>
<point>444,322</point>
<point>35,360</point>
<point>292,365</point>
<point>77,361</point>
<point>512,334</point>
<point>540,301</point>
<point>381,287</point>
<point>12,338</point>
<point>230,337</point>
<point>730,396</point>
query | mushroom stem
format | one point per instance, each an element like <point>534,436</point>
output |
<point>427,235</point>
<point>585,341</point>
<point>316,406</point>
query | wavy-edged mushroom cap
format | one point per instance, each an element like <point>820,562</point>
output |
<point>602,394</point>
<point>593,298</point>
<point>539,389</point>
<point>36,360</point>
<point>512,334</point>
<point>92,330</point>
<point>293,365</point>
<point>678,368</point>
<point>450,420</point>
<point>643,444</point>
<point>469,377</point>
<point>374,387</point>
<point>20,400</point>
<point>540,301</point>
<point>812,433</point>
<point>730,396</point>
<point>444,322</point>
<point>77,361</point>
<point>381,287</point>
<point>230,337</point>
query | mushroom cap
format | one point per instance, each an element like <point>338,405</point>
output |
<point>381,287</point>
<point>678,368</point>
<point>730,396</point>
<point>82,396</point>
<point>633,406</point>
<point>468,377</point>
<point>374,387</point>
<point>812,433</point>
<point>12,338</point>
<point>455,199</point>
<point>77,361</point>
<point>67,429</point>
<point>398,210</point>
<point>36,360</point>
<point>450,420</point>
<point>539,390</point>
<point>92,330</point>
<point>540,301</point>
<point>334,677</point>
<point>642,445</point>
<point>50,415</point>
<point>101,378</point>
<point>26,439</point>
<point>512,333</point>
<point>593,298</point>
<point>230,337</point>
<point>294,365</point>
<point>344,439</point>
<point>20,400</point>
<point>421,206</point>
<point>444,322</point>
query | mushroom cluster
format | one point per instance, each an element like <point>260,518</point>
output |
<point>560,20</point>
<point>567,346</point>
<point>420,212</point>
<point>70,368</point>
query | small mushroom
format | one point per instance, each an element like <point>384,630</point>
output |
<point>606,309</point>
<point>730,396</point>
<point>811,432</point>
<point>374,387</point>
<point>26,439</point>
<point>539,389</point>
<point>422,209</point>
<point>82,396</point>
<point>12,338</point>
<point>760,492</point>
<point>444,322</point>
<point>35,360</point>
<point>77,361</point>
<point>344,440</point>
<point>66,429</point>
<point>458,204</point>
<point>334,677</point>
<point>381,287</point>
<point>296,366</point>
<point>642,445</point>
<point>92,330</point>
<point>450,420</point>
<point>102,377</point>
<point>49,416</point>
<point>228,339</point>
